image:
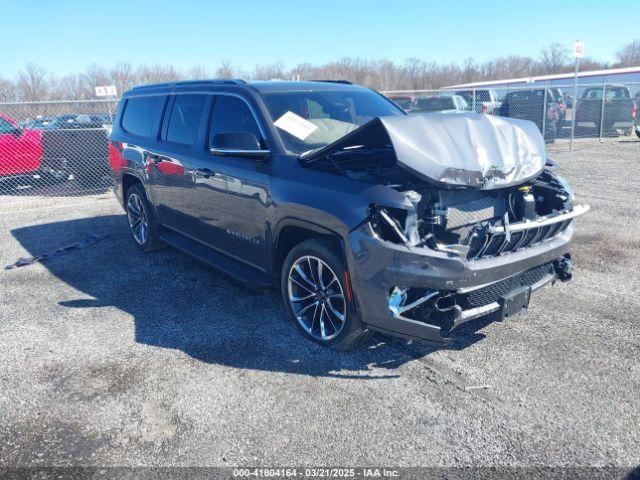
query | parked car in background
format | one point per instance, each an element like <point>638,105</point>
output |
<point>79,121</point>
<point>39,123</point>
<point>530,105</point>
<point>568,98</point>
<point>481,100</point>
<point>365,217</point>
<point>403,101</point>
<point>20,149</point>
<point>447,103</point>
<point>619,109</point>
<point>561,101</point>
<point>77,145</point>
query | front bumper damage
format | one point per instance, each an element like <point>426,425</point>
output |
<point>422,293</point>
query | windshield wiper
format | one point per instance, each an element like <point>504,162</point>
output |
<point>304,155</point>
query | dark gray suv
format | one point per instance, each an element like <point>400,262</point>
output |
<point>366,218</point>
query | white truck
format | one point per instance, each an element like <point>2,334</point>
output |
<point>481,100</point>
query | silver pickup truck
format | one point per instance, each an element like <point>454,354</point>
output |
<point>481,100</point>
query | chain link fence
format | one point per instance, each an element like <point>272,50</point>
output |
<point>55,148</point>
<point>60,148</point>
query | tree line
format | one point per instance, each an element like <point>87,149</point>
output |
<point>34,83</point>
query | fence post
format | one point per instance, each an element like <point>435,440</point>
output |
<point>473,100</point>
<point>604,91</point>
<point>575,106</point>
<point>544,114</point>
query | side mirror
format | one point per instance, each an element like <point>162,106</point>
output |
<point>237,144</point>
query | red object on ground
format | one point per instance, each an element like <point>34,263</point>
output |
<point>20,149</point>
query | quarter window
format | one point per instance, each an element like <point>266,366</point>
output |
<point>232,114</point>
<point>141,114</point>
<point>185,119</point>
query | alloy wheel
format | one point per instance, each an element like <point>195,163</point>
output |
<point>137,219</point>
<point>316,298</point>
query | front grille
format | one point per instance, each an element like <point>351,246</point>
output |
<point>511,244</point>
<point>494,292</point>
<point>494,244</point>
<point>485,244</point>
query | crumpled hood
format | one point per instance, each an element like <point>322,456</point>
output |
<point>465,149</point>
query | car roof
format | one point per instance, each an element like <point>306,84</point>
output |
<point>267,86</point>
<point>262,86</point>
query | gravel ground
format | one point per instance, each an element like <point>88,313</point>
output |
<point>112,357</point>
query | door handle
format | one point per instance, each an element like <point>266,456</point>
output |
<point>155,158</point>
<point>205,172</point>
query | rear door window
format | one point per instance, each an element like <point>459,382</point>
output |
<point>141,114</point>
<point>185,119</point>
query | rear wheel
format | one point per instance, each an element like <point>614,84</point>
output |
<point>143,226</point>
<point>317,297</point>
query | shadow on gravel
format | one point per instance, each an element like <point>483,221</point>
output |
<point>177,303</point>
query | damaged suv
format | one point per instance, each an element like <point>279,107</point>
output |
<point>365,217</point>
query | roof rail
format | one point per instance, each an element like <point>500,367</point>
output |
<point>193,83</point>
<point>344,82</point>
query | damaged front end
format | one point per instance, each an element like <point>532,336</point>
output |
<point>471,227</point>
<point>486,221</point>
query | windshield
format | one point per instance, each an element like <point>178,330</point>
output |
<point>313,119</point>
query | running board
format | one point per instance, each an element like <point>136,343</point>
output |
<point>235,269</point>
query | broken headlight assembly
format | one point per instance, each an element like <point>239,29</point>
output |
<point>397,225</point>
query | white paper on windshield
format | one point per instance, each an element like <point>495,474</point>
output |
<point>295,125</point>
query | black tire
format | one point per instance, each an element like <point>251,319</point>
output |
<point>638,132</point>
<point>353,331</point>
<point>151,239</point>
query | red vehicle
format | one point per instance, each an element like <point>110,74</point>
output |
<point>20,149</point>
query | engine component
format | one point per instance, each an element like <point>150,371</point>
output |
<point>475,211</point>
<point>525,204</point>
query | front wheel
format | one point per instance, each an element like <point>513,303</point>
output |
<point>317,297</point>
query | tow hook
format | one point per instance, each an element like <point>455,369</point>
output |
<point>564,267</point>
